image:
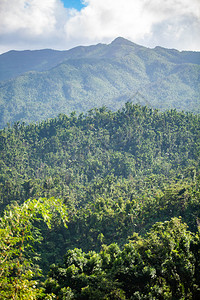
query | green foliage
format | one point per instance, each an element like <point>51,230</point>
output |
<point>160,266</point>
<point>18,235</point>
<point>51,158</point>
<point>117,173</point>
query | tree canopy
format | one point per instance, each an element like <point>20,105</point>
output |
<point>129,184</point>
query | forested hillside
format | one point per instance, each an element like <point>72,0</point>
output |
<point>36,85</point>
<point>128,183</point>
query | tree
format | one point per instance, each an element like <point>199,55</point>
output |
<point>18,234</point>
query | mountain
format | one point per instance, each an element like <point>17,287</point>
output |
<point>36,85</point>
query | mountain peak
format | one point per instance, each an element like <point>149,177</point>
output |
<point>121,41</point>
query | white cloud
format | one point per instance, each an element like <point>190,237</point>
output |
<point>31,16</point>
<point>139,20</point>
<point>29,24</point>
<point>108,19</point>
<point>37,24</point>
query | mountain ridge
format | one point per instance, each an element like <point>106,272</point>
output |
<point>62,55</point>
<point>85,77</point>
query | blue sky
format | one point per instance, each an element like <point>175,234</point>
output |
<point>77,4</point>
<point>63,24</point>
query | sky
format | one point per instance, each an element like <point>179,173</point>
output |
<point>64,24</point>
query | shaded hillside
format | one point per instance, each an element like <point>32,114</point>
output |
<point>15,63</point>
<point>86,77</point>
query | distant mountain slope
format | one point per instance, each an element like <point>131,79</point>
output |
<point>40,84</point>
<point>14,63</point>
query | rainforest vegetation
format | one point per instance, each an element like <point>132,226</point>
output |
<point>102,205</point>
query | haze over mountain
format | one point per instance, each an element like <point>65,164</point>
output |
<point>36,85</point>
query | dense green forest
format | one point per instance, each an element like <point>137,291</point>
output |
<point>126,224</point>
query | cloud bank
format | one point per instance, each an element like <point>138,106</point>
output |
<point>36,24</point>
